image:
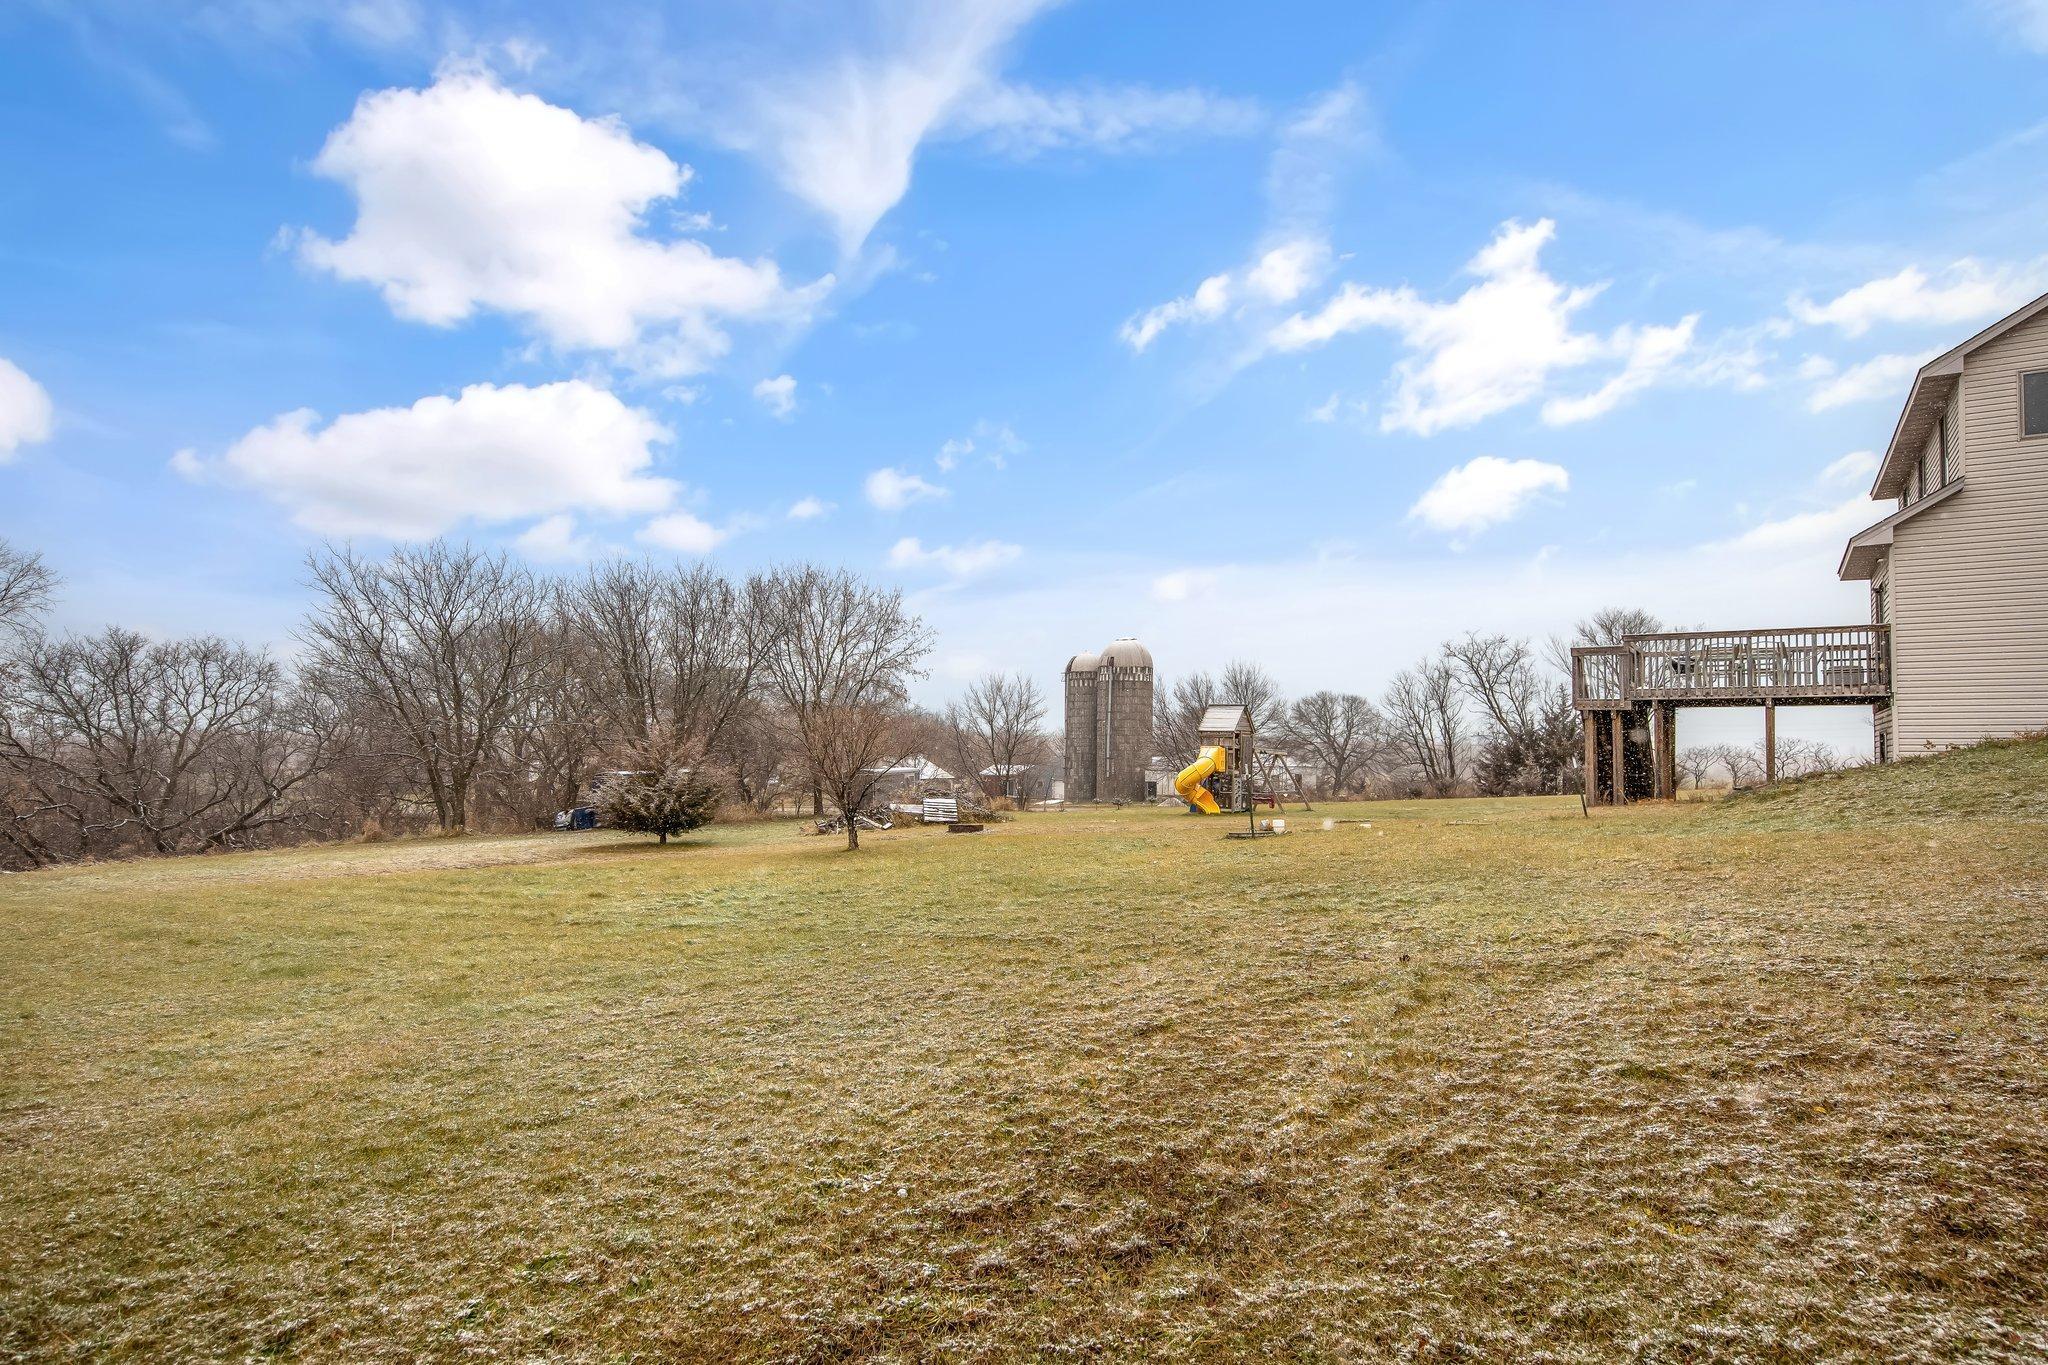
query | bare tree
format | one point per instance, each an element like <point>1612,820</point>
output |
<point>26,584</point>
<point>839,659</point>
<point>996,725</point>
<point>1698,763</point>
<point>1426,721</point>
<point>1534,735</point>
<point>1603,627</point>
<point>1745,765</point>
<point>1177,711</point>
<point>1802,757</point>
<point>444,642</point>
<point>1246,684</point>
<point>164,747</point>
<point>671,648</point>
<point>1340,732</point>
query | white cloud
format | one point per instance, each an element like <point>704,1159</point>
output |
<point>683,533</point>
<point>1884,376</point>
<point>25,410</point>
<point>553,540</point>
<point>1278,276</point>
<point>1325,411</point>
<point>1486,491</point>
<point>949,453</point>
<point>1856,468</point>
<point>1209,300</point>
<point>809,509</point>
<point>491,453</point>
<point>1024,121</point>
<point>469,196</point>
<point>1652,353</point>
<point>959,561</point>
<point>1493,347</point>
<point>1283,273</point>
<point>1966,291</point>
<point>778,395</point>
<point>892,490</point>
<point>1182,584</point>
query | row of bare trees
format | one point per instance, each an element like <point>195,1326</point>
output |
<point>444,687</point>
<point>1740,765</point>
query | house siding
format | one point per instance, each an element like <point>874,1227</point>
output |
<point>1969,579</point>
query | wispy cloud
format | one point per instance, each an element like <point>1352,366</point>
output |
<point>1965,291</point>
<point>1500,343</point>
<point>1883,376</point>
<point>892,489</point>
<point>957,561</point>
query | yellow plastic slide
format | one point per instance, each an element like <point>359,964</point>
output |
<point>1188,786</point>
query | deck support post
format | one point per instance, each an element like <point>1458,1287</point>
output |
<point>1770,743</point>
<point>1618,728</point>
<point>1591,769</point>
<point>1664,738</point>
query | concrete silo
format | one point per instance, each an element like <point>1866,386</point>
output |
<point>1081,680</point>
<point>1109,723</point>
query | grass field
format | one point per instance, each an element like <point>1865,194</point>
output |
<point>1764,1079</point>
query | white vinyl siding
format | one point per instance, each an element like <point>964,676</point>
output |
<point>1968,579</point>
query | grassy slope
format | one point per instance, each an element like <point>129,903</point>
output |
<point>1760,1079</point>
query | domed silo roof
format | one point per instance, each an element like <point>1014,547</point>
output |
<point>1083,663</point>
<point>1127,653</point>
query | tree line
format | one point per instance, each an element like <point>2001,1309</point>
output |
<point>445,688</point>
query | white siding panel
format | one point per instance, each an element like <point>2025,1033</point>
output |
<point>1969,579</point>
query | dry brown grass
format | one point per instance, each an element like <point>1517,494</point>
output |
<point>1756,1080</point>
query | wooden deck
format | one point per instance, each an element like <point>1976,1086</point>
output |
<point>1809,666</point>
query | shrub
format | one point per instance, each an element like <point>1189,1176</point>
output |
<point>667,790</point>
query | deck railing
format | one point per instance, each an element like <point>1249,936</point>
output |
<point>1600,676</point>
<point>1812,663</point>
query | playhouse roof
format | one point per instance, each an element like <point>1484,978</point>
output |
<point>1224,720</point>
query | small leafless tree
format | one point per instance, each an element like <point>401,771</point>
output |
<point>1745,765</point>
<point>1802,757</point>
<point>1697,763</point>
<point>839,659</point>
<point>1426,721</point>
<point>445,642</point>
<point>995,725</point>
<point>1340,732</point>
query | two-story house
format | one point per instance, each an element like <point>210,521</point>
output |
<point>1960,570</point>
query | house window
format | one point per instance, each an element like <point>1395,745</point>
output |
<point>2034,403</point>
<point>1946,471</point>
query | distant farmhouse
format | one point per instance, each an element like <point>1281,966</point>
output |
<point>1957,646</point>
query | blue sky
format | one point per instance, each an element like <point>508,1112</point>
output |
<point>1310,333</point>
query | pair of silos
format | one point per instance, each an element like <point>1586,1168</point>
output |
<point>1109,723</point>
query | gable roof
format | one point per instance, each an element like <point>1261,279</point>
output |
<point>1933,387</point>
<point>1859,560</point>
